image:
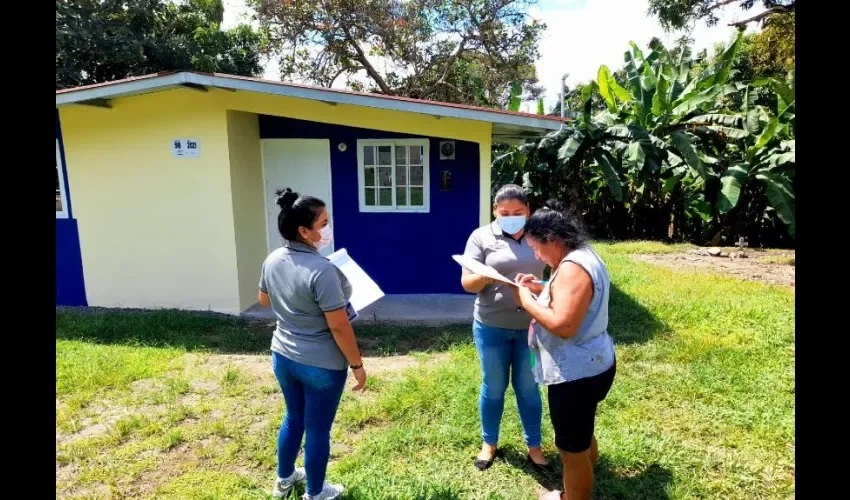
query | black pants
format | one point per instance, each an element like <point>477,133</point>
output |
<point>572,408</point>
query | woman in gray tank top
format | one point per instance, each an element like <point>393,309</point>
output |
<point>572,353</point>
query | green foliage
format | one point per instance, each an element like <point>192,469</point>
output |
<point>99,41</point>
<point>682,14</point>
<point>680,145</point>
<point>773,48</point>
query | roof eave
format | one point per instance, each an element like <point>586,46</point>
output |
<point>176,80</point>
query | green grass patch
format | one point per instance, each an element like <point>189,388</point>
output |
<point>643,247</point>
<point>779,259</point>
<point>702,406</point>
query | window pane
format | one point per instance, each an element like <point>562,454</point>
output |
<point>370,197</point>
<point>401,196</point>
<point>369,176</point>
<point>400,175</point>
<point>401,156</point>
<point>385,155</point>
<point>416,197</point>
<point>385,176</point>
<point>368,155</point>
<point>58,192</point>
<point>416,176</point>
<point>385,197</point>
<point>416,155</point>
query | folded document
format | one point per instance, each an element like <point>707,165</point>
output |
<point>364,291</point>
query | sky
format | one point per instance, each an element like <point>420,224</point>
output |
<point>581,35</point>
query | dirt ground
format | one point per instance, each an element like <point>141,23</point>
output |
<point>776,267</point>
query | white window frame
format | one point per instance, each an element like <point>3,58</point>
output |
<point>63,196</point>
<point>426,178</point>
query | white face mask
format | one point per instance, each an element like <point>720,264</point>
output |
<point>327,236</point>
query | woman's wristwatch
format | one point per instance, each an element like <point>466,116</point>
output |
<point>357,367</point>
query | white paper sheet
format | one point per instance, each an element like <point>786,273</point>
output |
<point>364,291</point>
<point>476,267</point>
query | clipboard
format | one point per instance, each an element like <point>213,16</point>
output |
<point>364,290</point>
<point>476,267</point>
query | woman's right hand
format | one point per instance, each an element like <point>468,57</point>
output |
<point>360,377</point>
<point>528,281</point>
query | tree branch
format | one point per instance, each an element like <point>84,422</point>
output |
<point>449,63</point>
<point>341,71</point>
<point>361,56</point>
<point>769,12</point>
<point>720,3</point>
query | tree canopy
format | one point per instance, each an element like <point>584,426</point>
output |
<point>104,40</point>
<point>464,51</point>
<point>679,14</point>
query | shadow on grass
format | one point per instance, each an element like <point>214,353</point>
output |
<point>611,482</point>
<point>211,332</point>
<point>628,321</point>
<point>550,480</point>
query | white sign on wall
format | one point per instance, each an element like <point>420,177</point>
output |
<point>185,148</point>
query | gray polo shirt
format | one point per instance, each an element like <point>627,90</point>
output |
<point>302,286</point>
<point>495,304</point>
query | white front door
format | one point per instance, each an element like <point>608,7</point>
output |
<point>303,165</point>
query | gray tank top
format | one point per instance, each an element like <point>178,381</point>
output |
<point>591,351</point>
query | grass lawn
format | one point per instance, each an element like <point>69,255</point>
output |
<point>181,405</point>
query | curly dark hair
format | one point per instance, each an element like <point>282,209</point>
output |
<point>296,211</point>
<point>554,223</point>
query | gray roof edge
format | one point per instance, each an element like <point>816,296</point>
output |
<point>165,82</point>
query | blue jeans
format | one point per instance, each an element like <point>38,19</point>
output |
<point>312,397</point>
<point>502,353</point>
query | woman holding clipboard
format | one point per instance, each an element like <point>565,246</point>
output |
<point>500,327</point>
<point>313,343</point>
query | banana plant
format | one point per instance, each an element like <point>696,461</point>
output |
<point>656,140</point>
<point>768,155</point>
<point>644,135</point>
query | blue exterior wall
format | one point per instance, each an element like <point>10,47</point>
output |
<point>404,253</point>
<point>70,285</point>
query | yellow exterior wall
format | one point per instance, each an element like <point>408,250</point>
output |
<point>484,153</point>
<point>155,231</point>
<point>246,181</point>
<point>159,231</point>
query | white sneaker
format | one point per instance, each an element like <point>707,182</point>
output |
<point>329,492</point>
<point>282,486</point>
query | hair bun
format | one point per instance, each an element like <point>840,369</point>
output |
<point>286,198</point>
<point>556,205</point>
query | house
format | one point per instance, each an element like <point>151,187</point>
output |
<point>165,185</point>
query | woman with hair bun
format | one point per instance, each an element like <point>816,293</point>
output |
<point>313,343</point>
<point>573,353</point>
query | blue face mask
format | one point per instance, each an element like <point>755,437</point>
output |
<point>511,224</point>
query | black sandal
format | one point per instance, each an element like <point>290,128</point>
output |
<point>485,464</point>
<point>538,467</point>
